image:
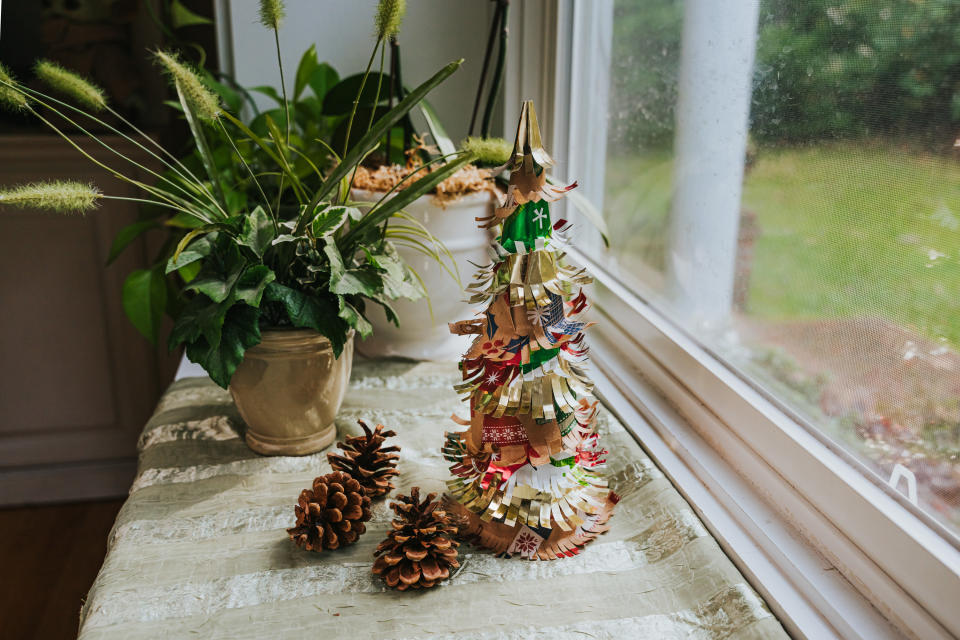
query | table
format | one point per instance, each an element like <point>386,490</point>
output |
<point>200,548</point>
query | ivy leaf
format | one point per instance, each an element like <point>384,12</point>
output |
<point>189,272</point>
<point>397,280</point>
<point>220,273</point>
<point>257,232</point>
<point>284,237</point>
<point>198,250</point>
<point>251,285</point>
<point>387,309</point>
<point>144,299</point>
<point>328,220</point>
<point>354,318</point>
<point>241,330</point>
<point>201,319</point>
<point>310,312</point>
<point>343,281</point>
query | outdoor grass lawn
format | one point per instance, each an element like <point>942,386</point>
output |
<point>845,230</point>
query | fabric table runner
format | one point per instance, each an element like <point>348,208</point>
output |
<point>200,548</point>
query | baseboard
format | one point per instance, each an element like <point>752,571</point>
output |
<point>66,483</point>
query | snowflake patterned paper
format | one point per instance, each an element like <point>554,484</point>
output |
<point>526,471</point>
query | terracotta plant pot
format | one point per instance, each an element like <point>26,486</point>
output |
<point>288,390</point>
<point>419,335</point>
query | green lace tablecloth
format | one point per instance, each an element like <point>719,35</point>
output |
<point>200,547</point>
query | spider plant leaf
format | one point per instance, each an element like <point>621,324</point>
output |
<point>444,143</point>
<point>403,198</point>
<point>203,147</point>
<point>380,129</point>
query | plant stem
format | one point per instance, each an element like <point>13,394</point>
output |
<point>283,84</point>
<point>243,160</point>
<point>176,160</point>
<point>40,98</point>
<point>196,128</point>
<point>146,201</point>
<point>394,47</point>
<point>159,193</point>
<point>497,72</point>
<point>373,112</point>
<point>353,111</point>
<point>407,131</point>
<point>486,64</point>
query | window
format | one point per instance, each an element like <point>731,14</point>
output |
<point>780,184</point>
<point>836,284</point>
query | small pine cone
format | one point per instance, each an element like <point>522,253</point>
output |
<point>367,461</point>
<point>331,514</point>
<point>420,551</point>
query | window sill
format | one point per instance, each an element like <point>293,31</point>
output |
<point>733,459</point>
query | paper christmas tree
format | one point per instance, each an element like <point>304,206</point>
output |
<point>525,470</point>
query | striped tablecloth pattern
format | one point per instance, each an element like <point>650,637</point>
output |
<point>200,547</point>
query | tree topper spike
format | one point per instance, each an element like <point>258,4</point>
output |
<point>528,151</point>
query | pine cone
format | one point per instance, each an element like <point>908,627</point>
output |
<point>369,463</point>
<point>331,514</point>
<point>420,551</point>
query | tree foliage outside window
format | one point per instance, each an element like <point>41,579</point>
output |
<point>825,69</point>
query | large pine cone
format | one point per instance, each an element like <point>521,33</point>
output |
<point>331,514</point>
<point>367,461</point>
<point>420,551</point>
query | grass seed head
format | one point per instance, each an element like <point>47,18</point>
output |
<point>59,196</point>
<point>488,151</point>
<point>272,13</point>
<point>389,16</point>
<point>11,97</point>
<point>72,85</point>
<point>204,102</point>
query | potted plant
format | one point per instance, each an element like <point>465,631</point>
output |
<point>274,296</point>
<point>470,193</point>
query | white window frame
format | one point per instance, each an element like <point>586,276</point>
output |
<point>832,552</point>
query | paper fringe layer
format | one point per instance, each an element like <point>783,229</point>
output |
<point>525,472</point>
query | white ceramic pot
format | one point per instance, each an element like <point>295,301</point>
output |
<point>419,336</point>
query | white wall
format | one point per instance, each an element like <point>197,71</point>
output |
<point>434,33</point>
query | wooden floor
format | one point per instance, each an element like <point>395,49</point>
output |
<point>49,557</point>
